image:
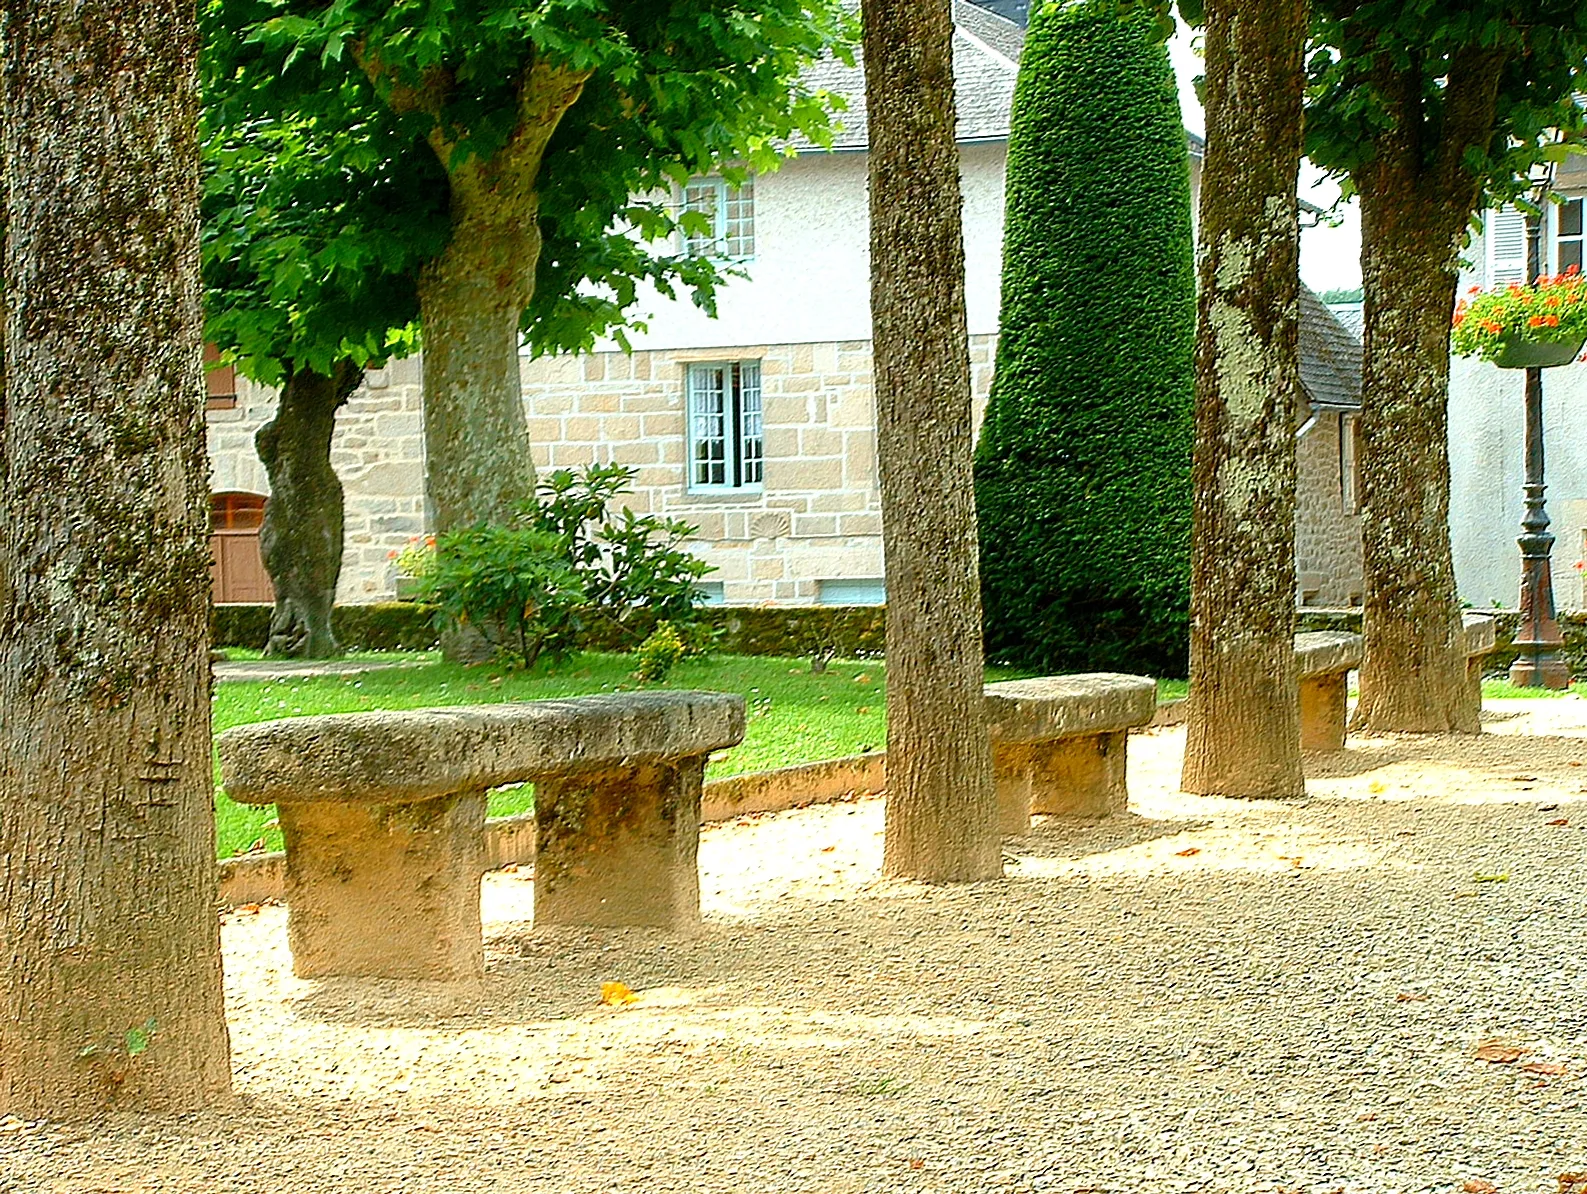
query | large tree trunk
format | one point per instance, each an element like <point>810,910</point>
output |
<point>942,819</point>
<point>472,297</point>
<point>1413,676</point>
<point>1243,735</point>
<point>301,538</point>
<point>1414,211</point>
<point>110,980</point>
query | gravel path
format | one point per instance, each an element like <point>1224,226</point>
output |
<point>1205,995</point>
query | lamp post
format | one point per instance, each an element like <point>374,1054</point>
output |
<point>1540,663</point>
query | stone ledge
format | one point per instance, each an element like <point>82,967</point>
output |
<point>1052,707</point>
<point>422,754</point>
<point>1325,652</point>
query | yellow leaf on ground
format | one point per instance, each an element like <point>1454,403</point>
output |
<point>617,994</point>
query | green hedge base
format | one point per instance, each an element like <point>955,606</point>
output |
<point>1572,626</point>
<point>839,631</point>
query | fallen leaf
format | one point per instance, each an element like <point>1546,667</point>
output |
<point>617,994</point>
<point>1186,853</point>
<point>916,1163</point>
<point>1409,997</point>
<point>1560,821</point>
<point>1499,1054</point>
<point>1573,1183</point>
<point>1552,1068</point>
<point>1478,1185</point>
<point>248,909</point>
<point>1377,787</point>
<point>1500,877</point>
<point>863,710</point>
<point>828,849</point>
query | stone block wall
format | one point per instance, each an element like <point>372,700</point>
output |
<point>1327,535</point>
<point>377,451</point>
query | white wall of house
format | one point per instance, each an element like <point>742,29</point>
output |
<point>809,281</point>
<point>1487,462</point>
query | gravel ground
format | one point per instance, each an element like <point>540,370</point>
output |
<point>1377,989</point>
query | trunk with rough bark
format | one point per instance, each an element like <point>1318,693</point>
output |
<point>942,816</point>
<point>1243,733</point>
<point>478,466</point>
<point>301,538</point>
<point>1414,213</point>
<point>110,979</point>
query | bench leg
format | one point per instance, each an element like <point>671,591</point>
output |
<point>385,891</point>
<point>1474,681</point>
<point>620,847</point>
<point>1076,777</point>
<point>1322,712</point>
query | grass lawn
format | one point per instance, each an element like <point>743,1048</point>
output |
<point>1503,688</point>
<point>794,715</point>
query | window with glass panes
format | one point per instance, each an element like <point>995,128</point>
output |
<point>1568,235</point>
<point>729,213</point>
<point>726,428</point>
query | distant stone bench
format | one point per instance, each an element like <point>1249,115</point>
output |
<point>1324,660</point>
<point>1059,743</point>
<point>1482,637</point>
<point>383,815</point>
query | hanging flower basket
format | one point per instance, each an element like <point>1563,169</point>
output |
<point>1537,354</point>
<point>1524,327</point>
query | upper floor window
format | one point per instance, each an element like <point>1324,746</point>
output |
<point>725,426</point>
<point>729,219</point>
<point>1507,247</point>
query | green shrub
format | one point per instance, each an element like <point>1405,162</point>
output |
<point>1083,467</point>
<point>567,572</point>
<point>512,584</point>
<point>659,654</point>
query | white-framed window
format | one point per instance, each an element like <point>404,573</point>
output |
<point>1350,463</point>
<point>726,426</point>
<point>729,218</point>
<point>1568,236</point>
<point>1562,234</point>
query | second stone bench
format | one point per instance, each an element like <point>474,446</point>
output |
<point>1059,743</point>
<point>383,816</point>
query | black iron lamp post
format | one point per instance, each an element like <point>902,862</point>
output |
<point>1541,663</point>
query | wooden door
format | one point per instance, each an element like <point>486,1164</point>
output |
<point>237,570</point>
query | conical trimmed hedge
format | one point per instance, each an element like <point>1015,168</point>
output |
<point>1083,466</point>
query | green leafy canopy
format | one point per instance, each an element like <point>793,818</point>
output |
<point>331,127</point>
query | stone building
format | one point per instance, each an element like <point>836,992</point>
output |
<point>758,426</point>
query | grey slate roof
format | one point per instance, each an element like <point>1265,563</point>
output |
<point>985,65</point>
<point>1330,357</point>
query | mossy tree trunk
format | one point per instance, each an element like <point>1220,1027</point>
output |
<point>478,466</point>
<point>942,817</point>
<point>1414,210</point>
<point>1243,734</point>
<point>301,538</point>
<point>110,976</point>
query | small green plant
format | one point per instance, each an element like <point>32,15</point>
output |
<point>514,585</point>
<point>659,654</point>
<point>1553,311</point>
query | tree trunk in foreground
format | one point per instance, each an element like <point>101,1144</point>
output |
<point>110,979</point>
<point>1414,212</point>
<point>301,538</point>
<point>478,466</point>
<point>1243,736</point>
<point>942,818</point>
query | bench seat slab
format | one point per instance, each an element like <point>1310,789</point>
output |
<point>385,891</point>
<point>619,847</point>
<point>1083,776</point>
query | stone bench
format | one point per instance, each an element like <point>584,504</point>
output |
<point>1482,637</point>
<point>1324,660</point>
<point>1059,743</point>
<point>383,815</point>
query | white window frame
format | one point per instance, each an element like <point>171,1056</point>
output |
<point>731,211</point>
<point>726,425</point>
<point>1563,239</point>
